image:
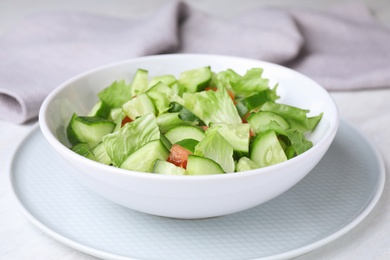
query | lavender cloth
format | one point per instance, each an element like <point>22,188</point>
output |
<point>343,49</point>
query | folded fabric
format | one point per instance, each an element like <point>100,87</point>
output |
<point>343,49</point>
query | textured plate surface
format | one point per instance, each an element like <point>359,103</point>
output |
<point>326,204</point>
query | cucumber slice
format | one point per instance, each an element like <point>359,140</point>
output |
<point>168,121</point>
<point>179,133</point>
<point>261,122</point>
<point>238,135</point>
<point>168,80</point>
<point>177,89</point>
<point>144,158</point>
<point>175,107</point>
<point>256,100</point>
<point>198,165</point>
<point>187,115</point>
<point>196,80</point>
<point>115,113</point>
<point>138,106</point>
<point>241,109</point>
<point>296,117</point>
<point>89,130</point>
<point>140,82</point>
<point>100,109</point>
<point>246,164</point>
<point>164,167</point>
<point>83,150</point>
<point>166,142</point>
<point>266,150</point>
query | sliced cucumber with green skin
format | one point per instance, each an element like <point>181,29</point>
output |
<point>246,164</point>
<point>89,130</point>
<point>187,115</point>
<point>164,167</point>
<point>115,113</point>
<point>179,133</point>
<point>296,117</point>
<point>196,80</point>
<point>198,165</point>
<point>175,107</point>
<point>138,106</point>
<point>140,82</point>
<point>177,89</point>
<point>260,121</point>
<point>83,150</point>
<point>100,109</point>
<point>238,135</point>
<point>168,80</point>
<point>144,158</point>
<point>168,121</point>
<point>166,142</point>
<point>241,109</point>
<point>255,101</point>
<point>266,150</point>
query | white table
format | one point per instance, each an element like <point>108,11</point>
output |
<point>369,111</point>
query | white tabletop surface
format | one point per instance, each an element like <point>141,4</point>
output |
<point>367,110</point>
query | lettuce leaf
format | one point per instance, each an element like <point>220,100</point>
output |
<point>251,82</point>
<point>116,94</point>
<point>119,145</point>
<point>212,106</point>
<point>160,94</point>
<point>215,147</point>
<point>298,141</point>
<point>296,117</point>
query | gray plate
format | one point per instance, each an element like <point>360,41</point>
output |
<point>326,204</point>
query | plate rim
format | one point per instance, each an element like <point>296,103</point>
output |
<point>89,250</point>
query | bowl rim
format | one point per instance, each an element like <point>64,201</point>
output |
<point>327,139</point>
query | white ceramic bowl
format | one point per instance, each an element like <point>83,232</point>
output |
<point>187,196</point>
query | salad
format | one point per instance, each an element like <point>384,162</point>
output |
<point>200,122</point>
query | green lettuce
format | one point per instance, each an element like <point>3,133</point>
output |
<point>116,94</point>
<point>212,106</point>
<point>216,148</point>
<point>161,95</point>
<point>251,82</point>
<point>296,117</point>
<point>119,145</point>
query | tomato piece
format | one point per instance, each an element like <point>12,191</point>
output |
<point>210,88</point>
<point>178,156</point>
<point>126,120</point>
<point>204,127</point>
<point>231,94</point>
<point>244,117</point>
